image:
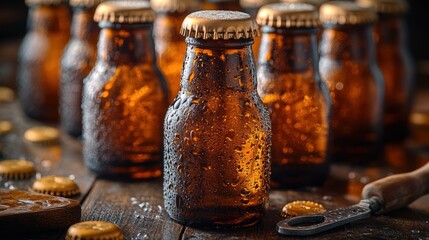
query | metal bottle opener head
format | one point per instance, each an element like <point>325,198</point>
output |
<point>317,223</point>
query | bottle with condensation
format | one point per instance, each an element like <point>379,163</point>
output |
<point>233,5</point>
<point>394,60</point>
<point>170,47</point>
<point>217,132</point>
<point>77,61</point>
<point>251,7</point>
<point>289,84</point>
<point>40,56</point>
<point>125,96</point>
<point>349,68</point>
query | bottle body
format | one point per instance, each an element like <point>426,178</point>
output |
<point>290,86</point>
<point>394,60</point>
<point>170,49</point>
<point>124,104</point>
<point>77,62</point>
<point>348,66</point>
<point>217,139</point>
<point>39,61</point>
<point>233,5</point>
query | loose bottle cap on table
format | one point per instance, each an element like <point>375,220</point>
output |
<point>215,25</point>
<point>56,186</point>
<point>316,3</point>
<point>175,6</point>
<point>255,3</point>
<point>338,12</point>
<point>127,12</point>
<point>6,94</point>
<point>288,15</point>
<point>94,230</point>
<point>42,134</point>
<point>85,3</point>
<point>299,208</point>
<point>16,169</point>
<point>5,127</point>
<point>386,6</point>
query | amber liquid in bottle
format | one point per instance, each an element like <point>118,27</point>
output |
<point>290,86</point>
<point>394,60</point>
<point>124,103</point>
<point>233,5</point>
<point>170,48</point>
<point>217,139</point>
<point>348,66</point>
<point>77,62</point>
<point>39,61</point>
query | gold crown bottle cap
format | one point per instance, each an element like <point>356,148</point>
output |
<point>6,94</point>
<point>420,118</point>
<point>299,208</point>
<point>85,3</point>
<point>255,3</point>
<point>124,12</point>
<point>288,15</point>
<point>215,24</point>
<point>175,6</point>
<point>340,12</point>
<point>16,169</point>
<point>94,230</point>
<point>5,127</point>
<point>316,3</point>
<point>386,6</point>
<point>56,186</point>
<point>45,2</point>
<point>42,134</point>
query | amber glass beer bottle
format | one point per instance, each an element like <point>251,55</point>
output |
<point>170,47</point>
<point>289,84</point>
<point>77,61</point>
<point>251,7</point>
<point>125,97</point>
<point>348,65</point>
<point>40,57</point>
<point>233,5</point>
<point>394,60</point>
<point>217,132</point>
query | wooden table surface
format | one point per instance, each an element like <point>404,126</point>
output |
<point>137,207</point>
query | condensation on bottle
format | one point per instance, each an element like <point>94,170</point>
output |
<point>125,96</point>
<point>289,84</point>
<point>77,61</point>
<point>40,56</point>
<point>348,66</point>
<point>217,132</point>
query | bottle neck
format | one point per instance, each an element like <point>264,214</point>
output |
<point>213,66</point>
<point>348,42</point>
<point>288,50</point>
<point>390,30</point>
<point>49,18</point>
<point>83,25</point>
<point>126,44</point>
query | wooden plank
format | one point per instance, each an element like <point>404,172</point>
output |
<point>137,208</point>
<point>409,223</point>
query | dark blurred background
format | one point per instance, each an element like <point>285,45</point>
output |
<point>13,21</point>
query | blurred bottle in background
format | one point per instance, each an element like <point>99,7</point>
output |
<point>40,56</point>
<point>125,96</point>
<point>233,5</point>
<point>169,45</point>
<point>289,84</point>
<point>77,61</point>
<point>251,7</point>
<point>348,66</point>
<point>394,60</point>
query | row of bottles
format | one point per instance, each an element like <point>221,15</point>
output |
<point>215,138</point>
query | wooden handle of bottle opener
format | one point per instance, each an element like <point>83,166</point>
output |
<point>399,190</point>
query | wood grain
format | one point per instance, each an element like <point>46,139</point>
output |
<point>137,208</point>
